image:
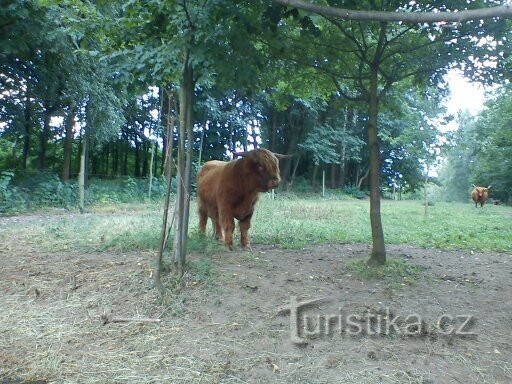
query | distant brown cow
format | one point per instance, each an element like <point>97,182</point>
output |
<point>480,195</point>
<point>229,190</point>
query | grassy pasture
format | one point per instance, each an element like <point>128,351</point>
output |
<point>62,272</point>
<point>287,223</point>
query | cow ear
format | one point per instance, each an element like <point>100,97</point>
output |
<point>282,157</point>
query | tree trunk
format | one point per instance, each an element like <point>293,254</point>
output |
<point>68,143</point>
<point>168,141</point>
<point>334,166</point>
<point>165,102</point>
<point>378,255</point>
<point>426,189</point>
<point>106,161</point>
<point>27,130</point>
<point>115,160</point>
<point>343,153</point>
<point>81,178</point>
<point>164,232</point>
<point>292,178</point>
<point>313,179</point>
<point>183,189</point>
<point>87,141</point>
<point>146,147</point>
<point>126,148</point>
<point>43,138</point>
<point>189,85</point>
<point>152,158</point>
<point>200,159</point>
<point>136,169</point>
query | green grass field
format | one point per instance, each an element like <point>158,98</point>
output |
<point>288,223</point>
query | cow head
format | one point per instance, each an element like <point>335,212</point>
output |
<point>481,191</point>
<point>264,166</point>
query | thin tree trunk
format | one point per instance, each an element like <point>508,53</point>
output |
<point>27,130</point>
<point>190,156</point>
<point>106,152</point>
<point>313,179</point>
<point>115,160</point>
<point>426,190</point>
<point>165,101</point>
<point>199,161</point>
<point>168,141</point>
<point>323,183</point>
<point>362,179</point>
<point>81,178</point>
<point>136,168</point>
<point>43,138</point>
<point>378,255</point>
<point>180,239</point>
<point>164,230</point>
<point>13,153</point>
<point>334,166</point>
<point>151,169</point>
<point>292,179</point>
<point>343,153</point>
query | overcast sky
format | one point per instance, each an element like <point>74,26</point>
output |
<point>464,95</point>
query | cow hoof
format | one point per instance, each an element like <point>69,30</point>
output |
<point>247,248</point>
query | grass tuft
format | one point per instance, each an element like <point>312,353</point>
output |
<point>395,271</point>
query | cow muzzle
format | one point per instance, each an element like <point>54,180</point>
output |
<point>273,183</point>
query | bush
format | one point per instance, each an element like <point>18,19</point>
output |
<point>355,192</point>
<point>6,190</point>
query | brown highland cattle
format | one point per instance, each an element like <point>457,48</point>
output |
<point>480,195</point>
<point>230,190</point>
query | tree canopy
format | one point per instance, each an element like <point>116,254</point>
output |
<point>353,93</point>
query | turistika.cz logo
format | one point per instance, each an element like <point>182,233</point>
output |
<point>378,322</point>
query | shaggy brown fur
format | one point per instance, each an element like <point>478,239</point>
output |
<point>480,195</point>
<point>229,190</point>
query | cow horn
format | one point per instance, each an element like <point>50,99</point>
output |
<point>241,154</point>
<point>473,185</point>
<point>489,187</point>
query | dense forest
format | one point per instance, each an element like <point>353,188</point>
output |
<point>103,79</point>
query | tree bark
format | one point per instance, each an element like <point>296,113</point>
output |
<point>378,255</point>
<point>81,178</point>
<point>164,232</point>
<point>313,179</point>
<point>27,130</point>
<point>184,165</point>
<point>43,138</point>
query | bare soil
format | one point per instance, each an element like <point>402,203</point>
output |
<point>223,324</point>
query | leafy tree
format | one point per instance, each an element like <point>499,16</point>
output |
<point>493,157</point>
<point>366,60</point>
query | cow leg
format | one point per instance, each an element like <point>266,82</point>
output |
<point>218,229</point>
<point>245,225</point>
<point>228,225</point>
<point>203,218</point>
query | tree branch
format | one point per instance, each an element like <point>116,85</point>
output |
<point>503,11</point>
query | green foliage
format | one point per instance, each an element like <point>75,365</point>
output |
<point>355,192</point>
<point>456,173</point>
<point>36,191</point>
<point>493,155</point>
<point>44,190</point>
<point>6,192</point>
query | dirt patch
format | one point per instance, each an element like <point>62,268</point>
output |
<point>224,325</point>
